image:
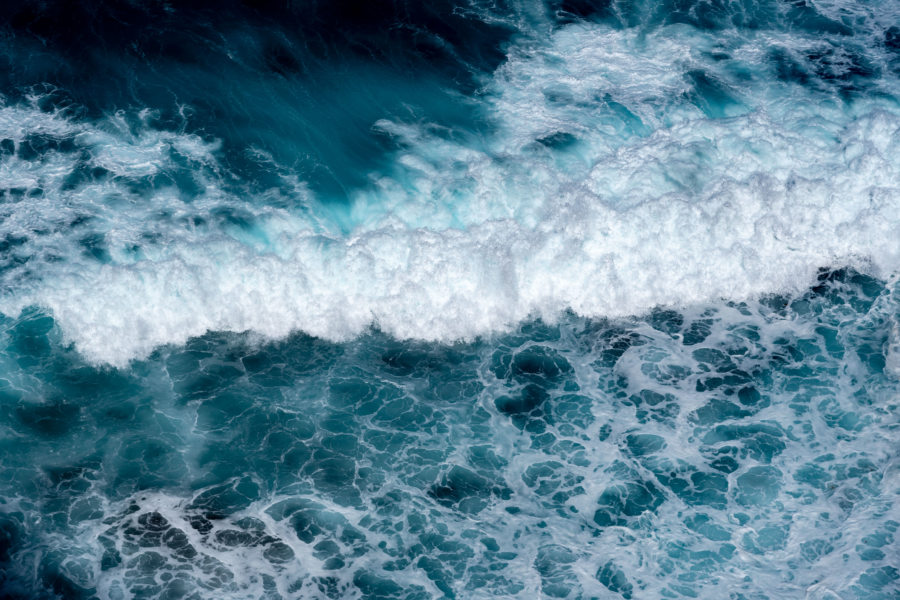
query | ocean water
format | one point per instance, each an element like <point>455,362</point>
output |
<point>457,299</point>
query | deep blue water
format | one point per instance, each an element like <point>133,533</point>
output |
<point>561,299</point>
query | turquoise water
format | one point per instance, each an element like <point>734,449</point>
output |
<point>510,300</point>
<point>742,450</point>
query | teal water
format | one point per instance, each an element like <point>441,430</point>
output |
<point>743,450</point>
<point>566,299</point>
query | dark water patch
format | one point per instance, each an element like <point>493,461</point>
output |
<point>10,242</point>
<point>695,486</point>
<point>668,321</point>
<point>621,503</point>
<point>49,420</point>
<point>568,11</point>
<point>285,64</point>
<point>615,580</point>
<point>847,286</point>
<point>404,361</point>
<point>702,524</point>
<point>224,500</point>
<point>531,397</point>
<point>558,141</point>
<point>712,96</point>
<point>35,146</point>
<point>642,444</point>
<point>653,405</point>
<point>466,491</point>
<point>186,34</point>
<point>892,39</point>
<point>759,441</point>
<point>806,16</point>
<point>842,67</point>
<point>758,486</point>
<point>707,15</point>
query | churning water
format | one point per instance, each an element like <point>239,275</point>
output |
<point>518,299</point>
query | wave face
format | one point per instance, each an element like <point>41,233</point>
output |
<point>600,169</point>
<point>568,299</point>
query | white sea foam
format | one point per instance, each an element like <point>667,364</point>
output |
<point>655,198</point>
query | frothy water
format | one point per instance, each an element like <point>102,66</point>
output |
<point>737,449</point>
<point>575,300</point>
